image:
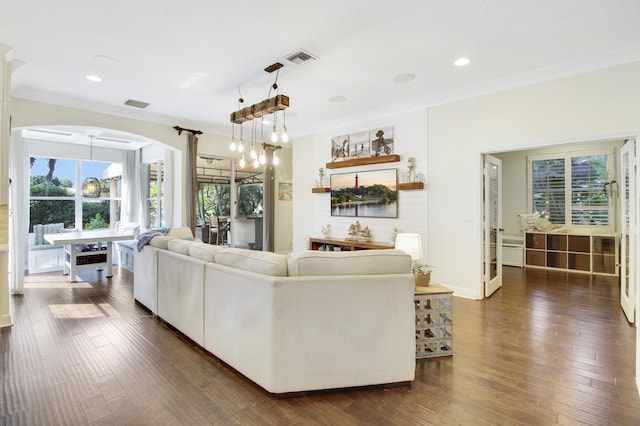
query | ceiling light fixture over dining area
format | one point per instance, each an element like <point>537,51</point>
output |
<point>271,105</point>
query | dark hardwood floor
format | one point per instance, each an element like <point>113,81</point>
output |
<point>547,348</point>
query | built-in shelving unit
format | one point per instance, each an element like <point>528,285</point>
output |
<point>587,253</point>
<point>363,161</point>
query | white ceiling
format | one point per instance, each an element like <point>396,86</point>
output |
<point>186,58</point>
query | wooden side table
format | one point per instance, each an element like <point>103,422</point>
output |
<point>434,321</point>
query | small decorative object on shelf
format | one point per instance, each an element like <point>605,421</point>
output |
<point>358,233</point>
<point>326,231</point>
<point>411,179</point>
<point>320,181</point>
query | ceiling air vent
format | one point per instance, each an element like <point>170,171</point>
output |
<point>137,104</point>
<point>300,57</point>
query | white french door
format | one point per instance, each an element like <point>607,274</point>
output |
<point>628,229</point>
<point>492,201</point>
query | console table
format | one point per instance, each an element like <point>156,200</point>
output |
<point>434,321</point>
<point>74,257</point>
<point>330,244</point>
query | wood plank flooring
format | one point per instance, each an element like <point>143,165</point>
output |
<point>547,348</point>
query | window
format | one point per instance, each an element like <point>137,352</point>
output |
<point>213,199</point>
<point>250,199</point>
<point>570,188</point>
<point>155,195</point>
<point>56,197</point>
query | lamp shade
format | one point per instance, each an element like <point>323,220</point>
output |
<point>411,244</point>
<point>91,188</point>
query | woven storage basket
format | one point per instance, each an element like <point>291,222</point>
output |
<point>422,280</point>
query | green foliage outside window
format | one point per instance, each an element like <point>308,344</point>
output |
<point>250,200</point>
<point>45,211</point>
<point>213,199</point>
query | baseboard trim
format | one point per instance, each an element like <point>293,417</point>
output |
<point>6,321</point>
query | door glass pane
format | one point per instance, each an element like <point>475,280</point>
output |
<point>627,217</point>
<point>493,220</point>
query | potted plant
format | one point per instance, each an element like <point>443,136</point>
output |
<point>422,274</point>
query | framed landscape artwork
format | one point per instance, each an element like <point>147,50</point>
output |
<point>365,194</point>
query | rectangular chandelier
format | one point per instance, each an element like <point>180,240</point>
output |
<point>267,106</point>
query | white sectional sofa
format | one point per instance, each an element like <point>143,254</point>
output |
<point>300,322</point>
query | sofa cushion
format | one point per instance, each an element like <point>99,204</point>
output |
<point>50,228</point>
<point>129,228</point>
<point>161,241</point>
<point>206,252</point>
<point>181,246</point>
<point>182,232</point>
<point>262,262</point>
<point>359,262</point>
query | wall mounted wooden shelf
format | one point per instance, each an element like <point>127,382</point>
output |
<point>410,185</point>
<point>320,190</point>
<point>363,161</point>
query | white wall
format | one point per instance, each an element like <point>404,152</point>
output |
<point>313,211</point>
<point>587,107</point>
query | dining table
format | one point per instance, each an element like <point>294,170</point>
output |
<point>88,248</point>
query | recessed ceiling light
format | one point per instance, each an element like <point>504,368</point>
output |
<point>461,62</point>
<point>94,78</point>
<point>403,78</point>
<point>337,99</point>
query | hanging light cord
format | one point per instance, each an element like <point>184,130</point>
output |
<point>274,86</point>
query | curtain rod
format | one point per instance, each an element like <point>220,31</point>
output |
<point>182,129</point>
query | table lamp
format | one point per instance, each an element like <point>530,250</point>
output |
<point>411,244</point>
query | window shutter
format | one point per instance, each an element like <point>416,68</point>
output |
<point>589,204</point>
<point>548,186</point>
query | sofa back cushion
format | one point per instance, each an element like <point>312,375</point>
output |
<point>361,262</point>
<point>183,232</point>
<point>262,262</point>
<point>204,251</point>
<point>161,241</point>
<point>181,246</point>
